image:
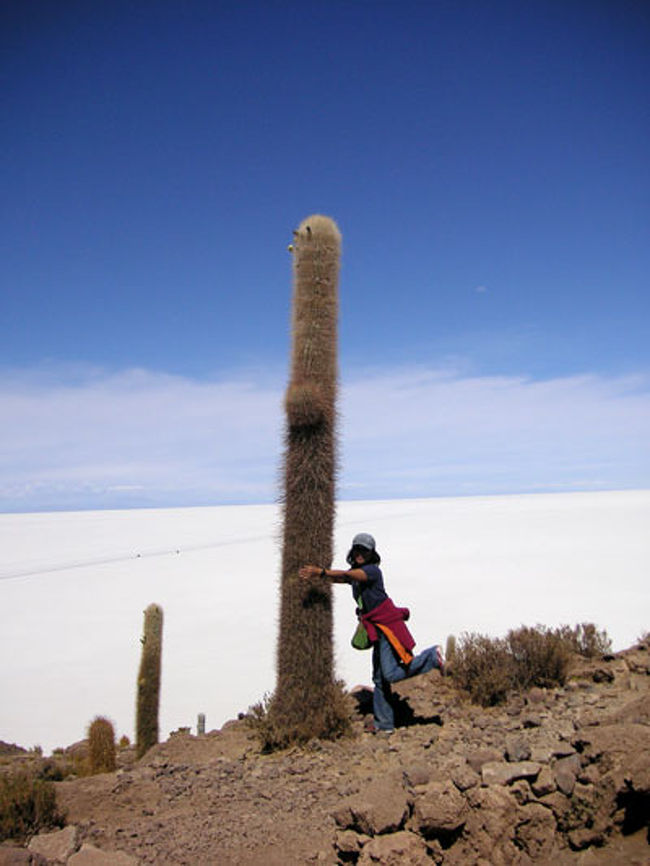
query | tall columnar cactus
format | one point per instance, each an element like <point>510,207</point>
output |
<point>101,745</point>
<point>149,681</point>
<point>305,702</point>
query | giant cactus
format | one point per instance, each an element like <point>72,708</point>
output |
<point>305,703</point>
<point>149,681</point>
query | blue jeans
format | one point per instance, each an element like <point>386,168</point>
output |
<point>386,669</point>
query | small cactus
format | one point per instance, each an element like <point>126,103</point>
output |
<point>101,746</point>
<point>450,652</point>
<point>148,699</point>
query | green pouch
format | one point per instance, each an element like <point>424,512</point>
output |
<point>360,639</point>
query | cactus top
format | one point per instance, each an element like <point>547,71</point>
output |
<point>321,226</point>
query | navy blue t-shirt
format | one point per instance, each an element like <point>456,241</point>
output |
<point>372,590</point>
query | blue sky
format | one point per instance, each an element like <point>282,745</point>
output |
<point>487,164</point>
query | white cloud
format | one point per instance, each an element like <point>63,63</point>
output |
<point>87,438</point>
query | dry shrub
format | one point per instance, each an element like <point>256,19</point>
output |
<point>101,746</point>
<point>488,668</point>
<point>483,666</point>
<point>329,721</point>
<point>541,656</point>
<point>27,806</point>
<point>585,639</point>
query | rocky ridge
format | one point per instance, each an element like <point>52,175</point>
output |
<point>557,776</point>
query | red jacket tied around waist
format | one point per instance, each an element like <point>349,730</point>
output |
<point>391,621</point>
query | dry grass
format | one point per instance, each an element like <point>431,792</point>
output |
<point>488,669</point>
<point>328,720</point>
<point>27,805</point>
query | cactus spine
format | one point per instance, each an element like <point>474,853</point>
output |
<point>101,746</point>
<point>149,681</point>
<point>304,704</point>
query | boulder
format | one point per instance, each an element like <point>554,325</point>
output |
<point>535,833</point>
<point>56,846</point>
<point>382,807</point>
<point>439,810</point>
<point>517,748</point>
<point>501,773</point>
<point>395,849</point>
<point>88,855</point>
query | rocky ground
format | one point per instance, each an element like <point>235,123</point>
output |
<point>557,776</point>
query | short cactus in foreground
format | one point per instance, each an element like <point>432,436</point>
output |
<point>450,651</point>
<point>305,703</point>
<point>148,697</point>
<point>101,746</point>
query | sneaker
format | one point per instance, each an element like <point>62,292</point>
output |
<point>440,661</point>
<point>369,728</point>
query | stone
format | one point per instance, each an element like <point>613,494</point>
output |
<point>13,856</point>
<point>417,774</point>
<point>501,773</point>
<point>517,749</point>
<point>584,838</point>
<point>88,855</point>
<point>638,775</point>
<point>439,809</point>
<point>565,773</point>
<point>477,759</point>
<point>464,777</point>
<point>348,842</point>
<point>56,846</point>
<point>395,849</point>
<point>382,807</point>
<point>544,784</point>
<point>535,833</point>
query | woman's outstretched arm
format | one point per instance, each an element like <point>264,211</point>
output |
<point>333,574</point>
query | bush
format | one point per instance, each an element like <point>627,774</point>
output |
<point>101,746</point>
<point>27,806</point>
<point>586,640</point>
<point>273,734</point>
<point>541,657</point>
<point>488,668</point>
<point>483,667</point>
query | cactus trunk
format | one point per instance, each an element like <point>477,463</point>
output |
<point>148,699</point>
<point>304,704</point>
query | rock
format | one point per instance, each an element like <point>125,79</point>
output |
<point>581,839</point>
<point>382,807</point>
<point>544,784</point>
<point>56,846</point>
<point>439,810</point>
<point>535,833</point>
<point>395,850</point>
<point>501,773</point>
<point>565,774</point>
<point>13,856</point>
<point>477,759</point>
<point>417,774</point>
<point>638,775</point>
<point>464,777</point>
<point>489,830</point>
<point>88,855</point>
<point>349,843</point>
<point>517,748</point>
